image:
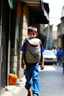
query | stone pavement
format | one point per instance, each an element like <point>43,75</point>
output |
<point>14,90</point>
<point>51,83</point>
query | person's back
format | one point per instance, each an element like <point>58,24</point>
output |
<point>32,50</point>
<point>59,54</point>
<point>60,51</point>
<point>55,51</point>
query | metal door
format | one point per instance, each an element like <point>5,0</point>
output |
<point>4,43</point>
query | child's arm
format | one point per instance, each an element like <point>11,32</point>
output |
<point>22,61</point>
<point>42,58</point>
<point>42,62</point>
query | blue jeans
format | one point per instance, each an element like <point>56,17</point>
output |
<point>59,59</point>
<point>32,78</point>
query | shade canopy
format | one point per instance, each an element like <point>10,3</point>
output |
<point>39,12</point>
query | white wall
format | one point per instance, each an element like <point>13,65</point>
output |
<point>54,35</point>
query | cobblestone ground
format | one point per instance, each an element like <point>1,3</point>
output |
<point>51,82</point>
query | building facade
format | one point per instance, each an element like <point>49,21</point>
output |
<point>48,33</point>
<point>15,17</point>
<point>60,33</point>
<point>7,22</point>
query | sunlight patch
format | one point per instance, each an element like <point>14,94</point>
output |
<point>48,68</point>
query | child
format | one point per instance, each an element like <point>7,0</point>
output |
<point>63,61</point>
<point>32,67</point>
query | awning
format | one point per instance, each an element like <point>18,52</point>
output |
<point>39,12</point>
<point>45,11</point>
<point>42,16</point>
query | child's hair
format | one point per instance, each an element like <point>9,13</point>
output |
<point>32,28</point>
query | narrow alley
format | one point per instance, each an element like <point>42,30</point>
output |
<point>51,82</point>
<point>16,16</point>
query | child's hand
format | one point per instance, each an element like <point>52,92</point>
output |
<point>42,66</point>
<point>22,65</point>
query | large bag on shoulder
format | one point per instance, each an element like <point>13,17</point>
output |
<point>33,51</point>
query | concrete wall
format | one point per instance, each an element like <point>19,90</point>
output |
<point>59,33</point>
<point>42,26</point>
<point>48,33</point>
<point>22,21</point>
<point>62,28</point>
<point>14,57</point>
<point>54,37</point>
<point>24,33</point>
